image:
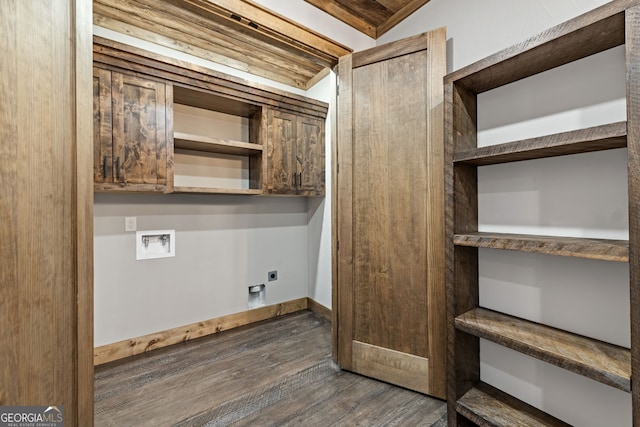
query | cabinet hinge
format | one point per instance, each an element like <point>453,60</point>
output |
<point>338,245</point>
<point>337,90</point>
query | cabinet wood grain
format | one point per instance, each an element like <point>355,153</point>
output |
<point>133,149</point>
<point>295,154</point>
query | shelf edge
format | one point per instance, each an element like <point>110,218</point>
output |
<point>596,249</point>
<point>554,348</point>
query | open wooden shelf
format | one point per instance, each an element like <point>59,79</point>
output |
<point>613,24</point>
<point>605,137</point>
<point>596,31</point>
<point>204,190</point>
<point>600,361</point>
<point>215,145</point>
<point>601,249</point>
<point>489,407</point>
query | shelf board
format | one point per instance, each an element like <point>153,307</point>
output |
<point>204,190</point>
<point>214,145</point>
<point>605,137</point>
<point>600,361</point>
<point>599,249</point>
<point>595,31</point>
<point>489,407</point>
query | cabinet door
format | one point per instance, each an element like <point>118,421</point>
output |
<point>310,164</point>
<point>281,152</point>
<point>102,134</point>
<point>139,131</point>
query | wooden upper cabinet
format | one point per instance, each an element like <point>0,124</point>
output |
<point>132,143</point>
<point>295,154</point>
<point>134,93</point>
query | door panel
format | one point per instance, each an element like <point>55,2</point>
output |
<point>139,130</point>
<point>389,235</point>
<point>102,142</point>
<point>310,154</point>
<point>280,149</point>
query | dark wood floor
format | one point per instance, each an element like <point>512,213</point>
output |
<point>276,373</point>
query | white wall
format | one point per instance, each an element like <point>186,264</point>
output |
<point>581,195</point>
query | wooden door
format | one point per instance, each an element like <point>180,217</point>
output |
<point>389,277</point>
<point>139,130</point>
<point>310,163</point>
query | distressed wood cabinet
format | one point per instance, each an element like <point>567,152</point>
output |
<point>295,154</point>
<point>135,143</point>
<point>131,123</point>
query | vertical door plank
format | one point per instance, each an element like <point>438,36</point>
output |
<point>10,351</point>
<point>83,26</point>
<point>343,202</point>
<point>436,292</point>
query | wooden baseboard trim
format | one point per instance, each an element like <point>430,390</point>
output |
<point>319,309</point>
<point>131,347</point>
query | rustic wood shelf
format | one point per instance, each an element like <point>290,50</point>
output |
<point>596,138</point>
<point>600,361</point>
<point>596,31</point>
<point>600,249</point>
<point>613,24</point>
<point>489,407</point>
<point>204,190</point>
<point>215,145</point>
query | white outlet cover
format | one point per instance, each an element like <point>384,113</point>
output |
<point>130,223</point>
<point>152,244</point>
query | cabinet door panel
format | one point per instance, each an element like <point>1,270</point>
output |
<point>280,152</point>
<point>139,133</point>
<point>310,155</point>
<point>102,141</point>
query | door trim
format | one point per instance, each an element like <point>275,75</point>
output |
<point>402,369</point>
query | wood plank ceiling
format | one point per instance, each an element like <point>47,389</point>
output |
<point>236,33</point>
<point>371,17</point>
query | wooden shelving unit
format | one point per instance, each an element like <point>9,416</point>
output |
<point>470,401</point>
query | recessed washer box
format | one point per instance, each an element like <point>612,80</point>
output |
<point>155,244</point>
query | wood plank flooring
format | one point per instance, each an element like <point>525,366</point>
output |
<point>275,373</point>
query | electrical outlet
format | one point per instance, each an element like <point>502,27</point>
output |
<point>130,223</point>
<point>272,275</point>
